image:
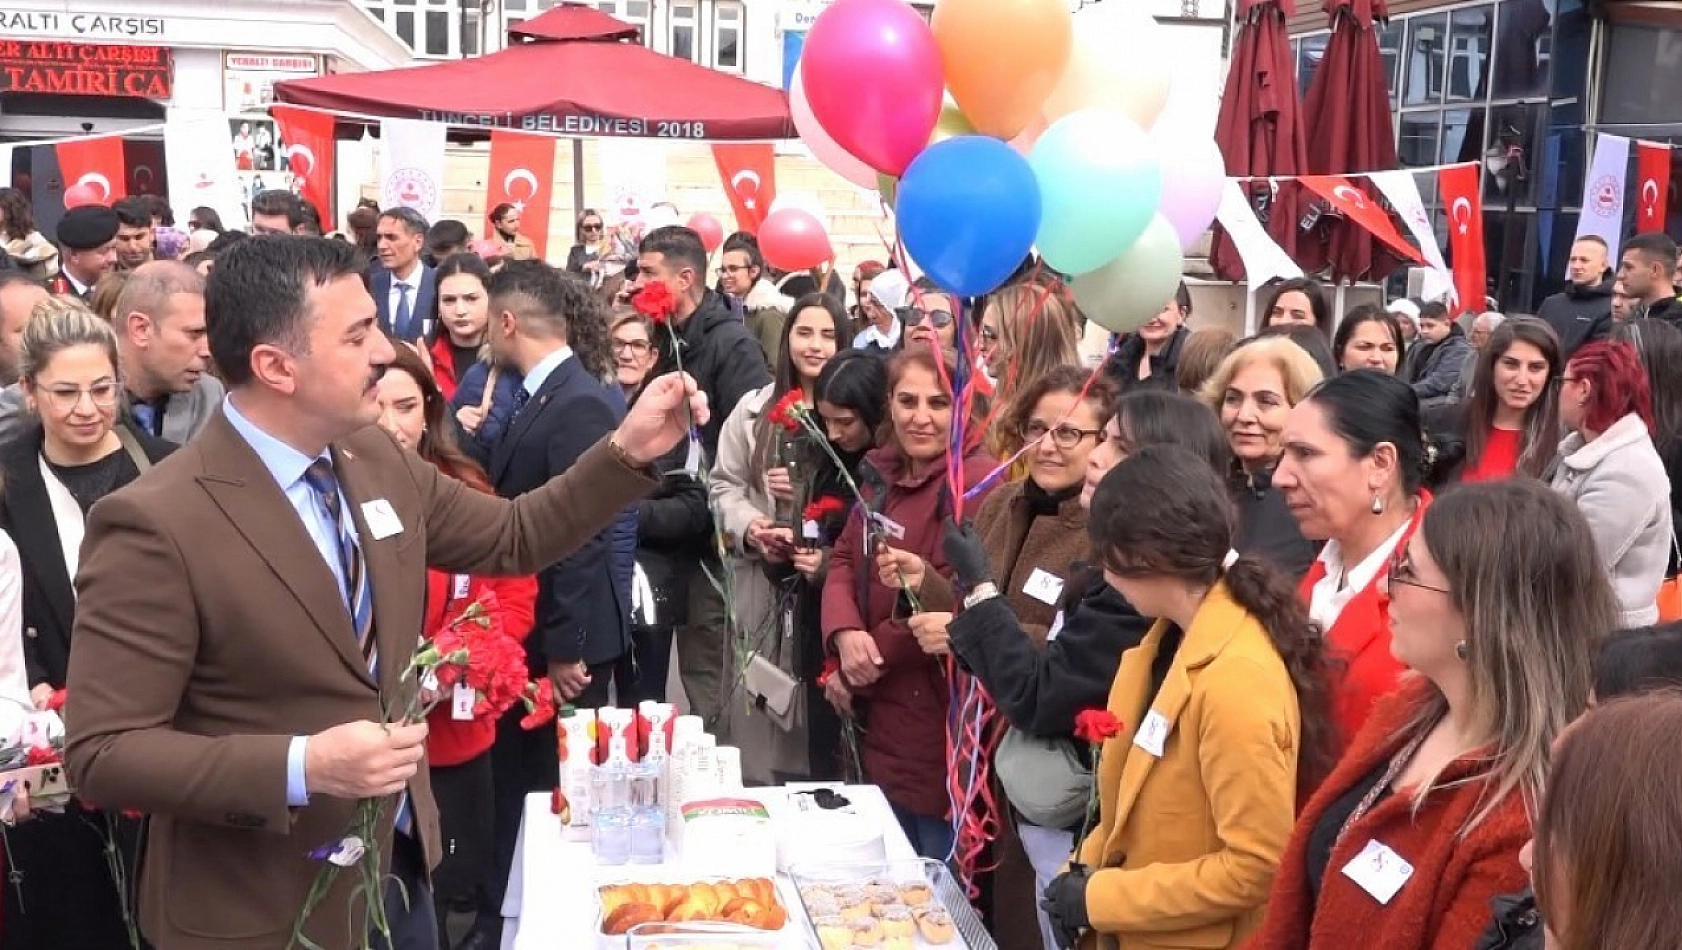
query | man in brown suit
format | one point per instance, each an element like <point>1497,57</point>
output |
<point>234,600</point>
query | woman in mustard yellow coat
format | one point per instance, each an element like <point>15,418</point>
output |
<point>1225,722</point>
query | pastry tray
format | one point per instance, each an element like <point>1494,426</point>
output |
<point>700,936</point>
<point>968,931</point>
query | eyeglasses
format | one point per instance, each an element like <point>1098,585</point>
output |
<point>940,319</point>
<point>989,335</point>
<point>1401,572</point>
<point>733,268</point>
<point>1064,436</point>
<point>638,347</point>
<point>1562,380</point>
<point>591,226</point>
<point>65,399</point>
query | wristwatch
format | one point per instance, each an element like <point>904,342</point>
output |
<point>982,591</point>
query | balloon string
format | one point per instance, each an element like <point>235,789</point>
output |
<point>975,814</point>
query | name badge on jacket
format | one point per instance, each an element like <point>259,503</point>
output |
<point>382,519</point>
<point>1043,586</point>
<point>1380,871</point>
<point>1152,734</point>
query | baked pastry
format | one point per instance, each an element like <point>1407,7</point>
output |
<point>898,942</point>
<point>880,896</point>
<point>629,915</point>
<point>867,932</point>
<point>855,904</point>
<point>934,923</point>
<point>915,893</point>
<point>834,933</point>
<point>896,921</point>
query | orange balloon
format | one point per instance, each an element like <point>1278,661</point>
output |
<point>1002,58</point>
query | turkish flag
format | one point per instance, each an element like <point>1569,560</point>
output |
<point>145,162</point>
<point>523,175</point>
<point>1653,198</point>
<point>1352,201</point>
<point>749,174</point>
<point>1458,187</point>
<point>308,138</point>
<point>97,162</point>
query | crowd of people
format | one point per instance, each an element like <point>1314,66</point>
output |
<point>1375,599</point>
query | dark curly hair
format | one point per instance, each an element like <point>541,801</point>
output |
<point>16,212</point>
<point>1185,531</point>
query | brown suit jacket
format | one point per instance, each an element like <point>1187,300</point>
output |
<point>210,631</point>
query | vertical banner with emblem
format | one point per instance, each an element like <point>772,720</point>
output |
<point>412,166</point>
<point>522,174</point>
<point>1462,197</point>
<point>749,175</point>
<point>1603,192</point>
<point>96,162</point>
<point>1652,199</point>
<point>201,167</point>
<point>308,144</point>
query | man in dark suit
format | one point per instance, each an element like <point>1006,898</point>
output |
<point>550,329</point>
<point>404,288</point>
<point>87,239</point>
<point>247,609</point>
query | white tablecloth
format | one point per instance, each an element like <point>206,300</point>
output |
<point>551,901</point>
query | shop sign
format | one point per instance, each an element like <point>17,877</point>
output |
<point>79,69</point>
<point>93,26</point>
<point>250,77</point>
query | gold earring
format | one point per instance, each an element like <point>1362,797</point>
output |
<point>1377,503</point>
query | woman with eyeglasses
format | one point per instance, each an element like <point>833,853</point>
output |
<point>1148,358</point>
<point>599,253</point>
<point>1353,473</point>
<point>764,309</point>
<point>929,318</point>
<point>1253,392</point>
<point>633,350</point>
<point>1609,467</point>
<point>1510,424</point>
<point>760,485</point>
<point>1495,605</point>
<point>60,891</point>
<point>1224,712</point>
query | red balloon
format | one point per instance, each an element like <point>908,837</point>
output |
<point>707,226</point>
<point>791,239</point>
<point>80,194</point>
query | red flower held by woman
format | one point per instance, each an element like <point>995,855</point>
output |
<point>786,412</point>
<point>655,301</point>
<point>1096,726</point>
<point>823,507</point>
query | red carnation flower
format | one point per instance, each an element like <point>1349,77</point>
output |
<point>831,667</point>
<point>823,507</point>
<point>55,702</point>
<point>787,411</point>
<point>1097,725</point>
<point>42,755</point>
<point>655,301</point>
<point>540,703</point>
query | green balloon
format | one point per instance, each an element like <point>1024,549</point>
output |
<point>888,187</point>
<point>1124,294</point>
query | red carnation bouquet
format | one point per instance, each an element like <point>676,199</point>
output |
<point>471,651</point>
<point>1096,727</point>
<point>655,301</point>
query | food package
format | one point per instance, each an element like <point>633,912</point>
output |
<point>575,736</point>
<point>734,912</point>
<point>728,837</point>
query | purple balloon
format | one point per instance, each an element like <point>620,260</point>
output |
<point>872,75</point>
<point>1193,176</point>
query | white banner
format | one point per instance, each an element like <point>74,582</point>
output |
<point>1402,192</point>
<point>634,175</point>
<point>412,166</point>
<point>199,153</point>
<point>1263,258</point>
<point>1603,193</point>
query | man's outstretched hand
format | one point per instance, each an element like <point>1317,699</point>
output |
<point>661,417</point>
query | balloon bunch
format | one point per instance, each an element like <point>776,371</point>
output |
<point>998,126</point>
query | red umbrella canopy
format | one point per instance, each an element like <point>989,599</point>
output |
<point>1348,109</point>
<point>580,73</point>
<point>1259,130</point>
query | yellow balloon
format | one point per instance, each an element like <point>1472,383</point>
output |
<point>1002,58</point>
<point>1120,61</point>
<point>952,122</point>
<point>888,187</point>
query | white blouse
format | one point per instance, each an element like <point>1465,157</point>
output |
<point>1334,591</point>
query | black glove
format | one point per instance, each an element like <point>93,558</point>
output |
<point>965,555</point>
<point>1065,904</point>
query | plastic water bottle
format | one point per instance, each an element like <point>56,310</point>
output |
<point>610,819</point>
<point>648,815</point>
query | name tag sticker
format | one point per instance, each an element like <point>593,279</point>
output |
<point>692,461</point>
<point>461,706</point>
<point>1043,586</point>
<point>1152,734</point>
<point>894,529</point>
<point>1380,871</point>
<point>460,584</point>
<point>382,519</point>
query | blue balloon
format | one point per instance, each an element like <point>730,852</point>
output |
<point>968,210</point>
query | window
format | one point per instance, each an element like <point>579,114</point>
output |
<point>727,35</point>
<point>683,31</point>
<point>432,28</point>
<point>406,28</point>
<point>1468,57</point>
<point>1309,54</point>
<point>470,24</point>
<point>1423,60</point>
<point>437,33</point>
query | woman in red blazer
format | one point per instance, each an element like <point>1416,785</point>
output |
<point>1352,473</point>
<point>1495,605</point>
<point>413,409</point>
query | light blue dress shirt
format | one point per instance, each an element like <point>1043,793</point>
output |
<point>287,465</point>
<point>540,373</point>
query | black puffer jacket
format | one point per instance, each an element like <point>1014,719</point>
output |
<point>1517,925</point>
<point>1581,314</point>
<point>722,355</point>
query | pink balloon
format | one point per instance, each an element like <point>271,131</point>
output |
<point>791,239</point>
<point>707,226</point>
<point>824,149</point>
<point>1193,176</point>
<point>80,194</point>
<point>873,78</point>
